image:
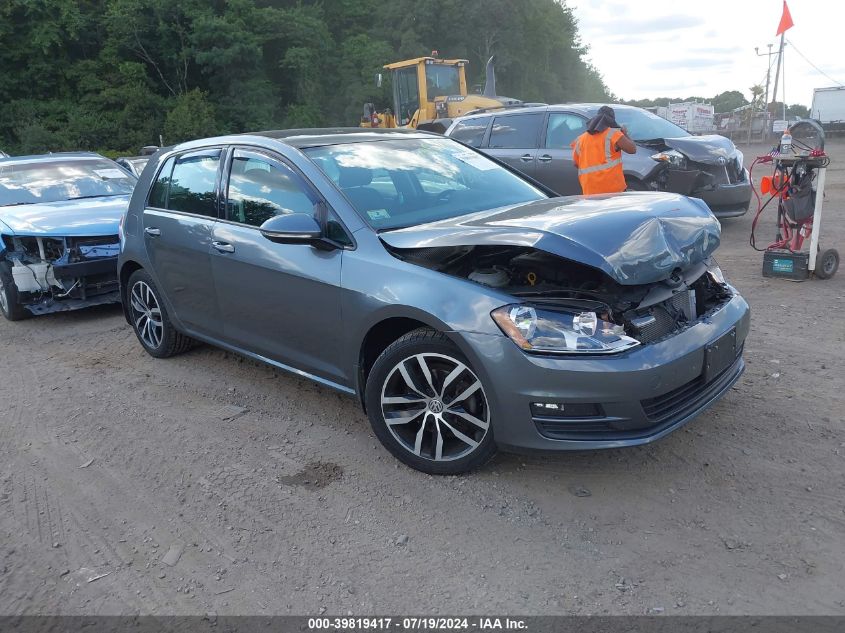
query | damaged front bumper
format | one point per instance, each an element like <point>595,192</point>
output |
<point>553,403</point>
<point>57,274</point>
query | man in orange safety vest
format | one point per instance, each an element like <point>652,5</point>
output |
<point>597,154</point>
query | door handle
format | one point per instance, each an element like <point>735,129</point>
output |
<point>526,158</point>
<point>223,247</point>
<point>545,158</point>
<point>152,231</point>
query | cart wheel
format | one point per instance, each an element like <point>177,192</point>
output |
<point>827,264</point>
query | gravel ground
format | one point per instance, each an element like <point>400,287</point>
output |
<point>209,483</point>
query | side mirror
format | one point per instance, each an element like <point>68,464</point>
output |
<point>292,228</point>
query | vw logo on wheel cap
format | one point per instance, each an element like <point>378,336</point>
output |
<point>435,406</point>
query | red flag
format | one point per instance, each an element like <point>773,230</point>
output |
<point>785,20</point>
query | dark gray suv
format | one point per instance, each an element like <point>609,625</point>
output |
<point>537,141</point>
<point>465,306</point>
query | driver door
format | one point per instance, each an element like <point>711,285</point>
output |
<point>280,301</point>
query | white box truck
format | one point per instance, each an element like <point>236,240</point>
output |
<point>828,105</point>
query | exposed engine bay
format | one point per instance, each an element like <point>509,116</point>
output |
<point>646,313</point>
<point>53,274</point>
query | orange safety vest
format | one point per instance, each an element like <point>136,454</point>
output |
<point>599,162</point>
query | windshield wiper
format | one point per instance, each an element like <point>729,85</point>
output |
<point>15,204</point>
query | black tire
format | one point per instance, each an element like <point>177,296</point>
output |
<point>170,341</point>
<point>9,304</point>
<point>827,263</point>
<point>439,355</point>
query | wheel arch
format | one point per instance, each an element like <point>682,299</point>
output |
<point>378,337</point>
<point>125,273</point>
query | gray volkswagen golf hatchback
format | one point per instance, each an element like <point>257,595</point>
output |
<point>464,305</point>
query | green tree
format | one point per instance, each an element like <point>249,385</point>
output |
<point>191,116</point>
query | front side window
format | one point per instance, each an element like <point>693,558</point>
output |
<point>62,179</point>
<point>517,131</point>
<point>471,131</point>
<point>434,179</point>
<point>563,129</point>
<point>261,187</point>
<point>193,183</point>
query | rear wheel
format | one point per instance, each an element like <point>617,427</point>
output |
<point>9,304</point>
<point>428,407</point>
<point>149,318</point>
<point>827,264</point>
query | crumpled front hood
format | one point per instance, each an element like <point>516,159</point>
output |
<point>704,149</point>
<point>635,238</point>
<point>86,217</point>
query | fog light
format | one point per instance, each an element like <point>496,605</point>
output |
<point>565,410</point>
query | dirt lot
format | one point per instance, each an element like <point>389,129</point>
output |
<point>269,494</point>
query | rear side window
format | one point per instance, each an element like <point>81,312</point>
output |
<point>193,183</point>
<point>158,194</point>
<point>472,131</point>
<point>517,131</point>
<point>563,129</point>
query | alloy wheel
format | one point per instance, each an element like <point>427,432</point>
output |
<point>146,314</point>
<point>435,407</point>
<point>4,301</point>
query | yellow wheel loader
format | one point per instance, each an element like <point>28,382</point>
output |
<point>428,92</point>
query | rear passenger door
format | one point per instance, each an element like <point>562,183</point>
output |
<point>281,301</point>
<point>514,140</point>
<point>555,167</point>
<point>178,223</point>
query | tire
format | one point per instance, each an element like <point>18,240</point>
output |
<point>445,426</point>
<point>827,264</point>
<point>157,336</point>
<point>9,303</point>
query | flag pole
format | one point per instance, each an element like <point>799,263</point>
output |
<point>777,73</point>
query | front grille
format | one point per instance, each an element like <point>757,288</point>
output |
<point>688,397</point>
<point>728,174</point>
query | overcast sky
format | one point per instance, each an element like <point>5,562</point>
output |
<point>659,48</point>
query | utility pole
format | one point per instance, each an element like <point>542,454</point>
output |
<point>767,124</point>
<point>768,70</point>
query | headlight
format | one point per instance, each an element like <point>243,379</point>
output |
<point>540,330</point>
<point>672,157</point>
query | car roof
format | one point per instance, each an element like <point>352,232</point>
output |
<point>587,109</point>
<point>310,137</point>
<point>53,157</point>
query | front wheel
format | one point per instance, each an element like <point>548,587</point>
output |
<point>428,407</point>
<point>9,305</point>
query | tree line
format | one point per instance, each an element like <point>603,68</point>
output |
<point>114,75</point>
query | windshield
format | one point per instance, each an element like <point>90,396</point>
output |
<point>404,182</point>
<point>56,180</point>
<point>644,126</point>
<point>442,81</point>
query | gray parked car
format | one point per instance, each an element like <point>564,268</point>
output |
<point>537,141</point>
<point>466,307</point>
